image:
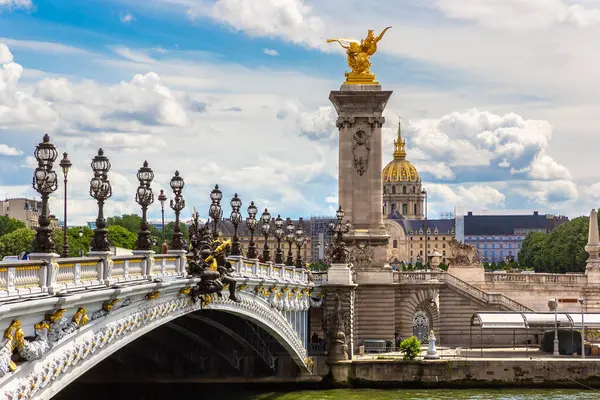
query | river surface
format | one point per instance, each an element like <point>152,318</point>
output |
<point>430,394</point>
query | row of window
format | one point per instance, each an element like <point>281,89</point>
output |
<point>494,238</point>
<point>430,238</point>
<point>404,190</point>
<point>485,253</point>
<point>395,245</point>
<point>500,246</point>
<point>421,253</point>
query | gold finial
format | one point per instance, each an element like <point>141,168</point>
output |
<point>399,145</point>
<point>359,54</point>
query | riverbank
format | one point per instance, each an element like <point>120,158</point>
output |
<point>471,373</point>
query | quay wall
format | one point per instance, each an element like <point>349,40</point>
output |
<point>467,373</point>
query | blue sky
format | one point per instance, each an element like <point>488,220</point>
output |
<point>498,102</point>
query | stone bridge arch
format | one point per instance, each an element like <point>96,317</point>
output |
<point>75,354</point>
<point>414,300</point>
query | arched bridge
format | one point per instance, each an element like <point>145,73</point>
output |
<point>62,318</point>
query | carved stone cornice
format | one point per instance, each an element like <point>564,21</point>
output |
<point>345,122</point>
<point>376,122</point>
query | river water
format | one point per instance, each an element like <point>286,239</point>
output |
<point>430,394</point>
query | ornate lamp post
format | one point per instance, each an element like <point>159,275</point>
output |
<point>144,197</point>
<point>251,224</point>
<point>553,306</point>
<point>424,193</point>
<point>177,183</point>
<point>279,236</point>
<point>162,197</point>
<point>236,219</point>
<point>290,239</point>
<point>44,182</point>
<point>300,239</point>
<point>101,191</point>
<point>80,234</point>
<point>338,229</point>
<point>65,164</point>
<point>265,219</point>
<point>215,211</point>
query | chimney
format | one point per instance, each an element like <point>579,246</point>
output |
<point>535,213</point>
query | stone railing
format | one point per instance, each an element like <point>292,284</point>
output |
<point>319,278</point>
<point>417,276</point>
<point>409,277</point>
<point>38,277</point>
<point>536,279</point>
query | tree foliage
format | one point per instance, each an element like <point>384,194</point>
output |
<point>8,225</point>
<point>319,265</point>
<point>561,251</point>
<point>16,242</point>
<point>120,237</point>
<point>410,348</point>
<point>76,243</point>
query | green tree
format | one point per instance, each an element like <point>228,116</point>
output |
<point>410,348</point>
<point>76,243</point>
<point>319,265</point>
<point>169,231</point>
<point>132,222</point>
<point>532,249</point>
<point>119,236</point>
<point>16,242</point>
<point>8,225</point>
<point>443,267</point>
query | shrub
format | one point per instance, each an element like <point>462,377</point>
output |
<point>410,348</point>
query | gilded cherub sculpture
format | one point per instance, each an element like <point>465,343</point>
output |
<point>359,54</point>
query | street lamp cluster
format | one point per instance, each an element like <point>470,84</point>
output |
<point>45,183</point>
<point>264,223</point>
<point>339,254</point>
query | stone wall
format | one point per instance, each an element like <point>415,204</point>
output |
<point>374,313</point>
<point>536,296</point>
<point>469,373</point>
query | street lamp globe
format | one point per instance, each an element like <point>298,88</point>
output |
<point>177,183</point>
<point>266,217</point>
<point>145,175</point>
<point>45,153</point>
<point>65,164</point>
<point>216,195</point>
<point>278,222</point>
<point>100,164</point>
<point>252,210</point>
<point>236,202</point>
<point>162,197</point>
<point>339,213</point>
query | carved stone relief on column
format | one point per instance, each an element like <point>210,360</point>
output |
<point>344,122</point>
<point>361,149</point>
<point>362,255</point>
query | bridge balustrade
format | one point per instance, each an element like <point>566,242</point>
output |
<point>39,277</point>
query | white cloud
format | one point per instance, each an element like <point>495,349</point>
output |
<point>555,194</point>
<point>43,47</point>
<point>271,52</point>
<point>11,4</point>
<point>6,150</point>
<point>474,196</point>
<point>126,17</point>
<point>526,14</point>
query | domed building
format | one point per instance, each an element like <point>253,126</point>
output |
<point>402,192</point>
<point>412,237</point>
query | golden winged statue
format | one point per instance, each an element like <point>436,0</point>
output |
<point>359,54</point>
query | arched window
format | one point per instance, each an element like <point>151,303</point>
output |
<point>404,189</point>
<point>415,210</point>
<point>395,244</point>
<point>393,189</point>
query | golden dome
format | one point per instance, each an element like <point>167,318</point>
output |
<point>400,169</point>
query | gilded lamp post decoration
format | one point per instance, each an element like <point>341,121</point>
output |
<point>215,211</point>
<point>177,183</point>
<point>144,197</point>
<point>300,238</point>
<point>101,191</point>
<point>65,165</point>
<point>236,219</point>
<point>339,254</point>
<point>265,220</point>
<point>45,183</point>
<point>279,235</point>
<point>251,223</point>
<point>290,228</point>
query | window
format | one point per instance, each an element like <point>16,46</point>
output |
<point>404,189</point>
<point>404,209</point>
<point>501,253</point>
<point>415,212</point>
<point>428,245</point>
<point>395,244</point>
<point>393,189</point>
<point>485,253</point>
<point>421,245</point>
<point>444,252</point>
<point>411,254</point>
<point>444,245</point>
<point>510,245</point>
<point>421,237</point>
<point>393,208</point>
<point>477,245</point>
<point>493,245</point>
<point>500,245</point>
<point>485,246</point>
<point>493,253</point>
<point>436,238</point>
<point>444,238</point>
<point>411,246</point>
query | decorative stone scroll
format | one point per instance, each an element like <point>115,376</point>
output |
<point>344,122</point>
<point>361,149</point>
<point>376,122</point>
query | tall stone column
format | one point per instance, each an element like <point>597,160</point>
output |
<point>360,109</point>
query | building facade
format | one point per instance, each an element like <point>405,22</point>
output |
<point>402,191</point>
<point>22,209</point>
<point>498,235</point>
